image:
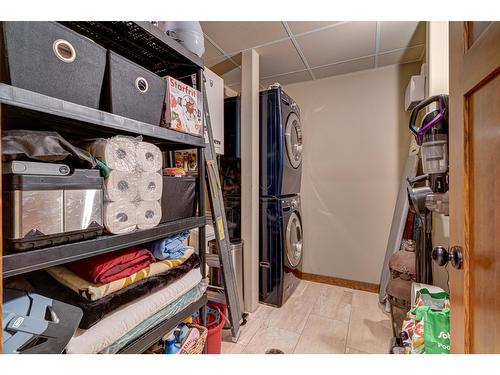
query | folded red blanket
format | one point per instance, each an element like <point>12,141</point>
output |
<point>112,266</point>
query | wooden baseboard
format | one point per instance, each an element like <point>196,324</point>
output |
<point>337,281</point>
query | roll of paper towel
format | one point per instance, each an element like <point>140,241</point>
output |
<point>120,217</point>
<point>117,153</point>
<point>120,186</point>
<point>149,157</point>
<point>149,186</point>
<point>148,214</point>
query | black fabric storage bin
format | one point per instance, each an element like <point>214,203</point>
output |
<point>132,91</point>
<point>50,59</point>
<point>178,200</point>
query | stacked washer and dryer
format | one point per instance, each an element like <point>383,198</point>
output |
<point>281,240</point>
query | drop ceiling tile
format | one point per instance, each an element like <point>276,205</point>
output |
<point>236,36</point>
<point>287,79</point>
<point>401,56</point>
<point>213,61</point>
<point>299,27</point>
<point>223,65</point>
<point>232,77</point>
<point>279,58</point>
<point>343,42</point>
<point>210,51</point>
<point>344,68</point>
<point>394,35</point>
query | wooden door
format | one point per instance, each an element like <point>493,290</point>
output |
<point>475,185</point>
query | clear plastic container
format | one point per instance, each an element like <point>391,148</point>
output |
<point>435,154</point>
<point>438,202</point>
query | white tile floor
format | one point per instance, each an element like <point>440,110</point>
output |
<point>318,318</point>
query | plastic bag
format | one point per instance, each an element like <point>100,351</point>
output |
<point>415,330</point>
<point>407,330</point>
<point>426,329</point>
<point>43,146</point>
<point>436,301</point>
<point>436,329</point>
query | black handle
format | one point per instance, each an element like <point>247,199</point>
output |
<point>414,180</point>
<point>424,103</point>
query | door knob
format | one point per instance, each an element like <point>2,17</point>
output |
<point>441,256</point>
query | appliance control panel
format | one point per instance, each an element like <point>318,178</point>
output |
<point>292,203</point>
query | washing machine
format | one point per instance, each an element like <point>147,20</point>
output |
<point>281,248</point>
<point>280,144</point>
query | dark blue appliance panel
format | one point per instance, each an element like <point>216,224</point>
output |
<point>230,166</point>
<point>232,127</point>
<point>270,251</point>
<point>271,143</point>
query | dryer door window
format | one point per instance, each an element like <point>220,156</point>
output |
<point>294,240</point>
<point>293,139</point>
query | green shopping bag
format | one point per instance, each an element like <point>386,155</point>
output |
<point>436,329</point>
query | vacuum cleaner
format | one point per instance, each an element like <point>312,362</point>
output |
<point>33,324</point>
<point>432,136</point>
<point>429,192</point>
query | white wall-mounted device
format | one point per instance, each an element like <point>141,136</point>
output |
<point>415,91</point>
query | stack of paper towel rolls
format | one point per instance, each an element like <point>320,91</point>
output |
<point>133,187</point>
<point>149,186</point>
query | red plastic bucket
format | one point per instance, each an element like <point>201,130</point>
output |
<point>214,326</point>
<point>223,309</point>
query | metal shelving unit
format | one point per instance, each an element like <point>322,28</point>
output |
<point>38,111</point>
<point>142,43</point>
<point>27,261</point>
<point>147,46</point>
<point>157,332</point>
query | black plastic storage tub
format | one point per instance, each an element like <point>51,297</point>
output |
<point>40,211</point>
<point>50,59</point>
<point>178,200</point>
<point>132,91</point>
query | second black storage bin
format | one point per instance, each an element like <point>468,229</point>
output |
<point>50,59</point>
<point>178,200</point>
<point>132,91</point>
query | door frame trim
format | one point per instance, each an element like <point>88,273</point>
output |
<point>459,154</point>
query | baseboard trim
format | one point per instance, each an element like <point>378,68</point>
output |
<point>337,281</point>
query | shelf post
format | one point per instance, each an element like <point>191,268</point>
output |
<point>201,200</point>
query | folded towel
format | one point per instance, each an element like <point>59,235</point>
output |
<point>170,247</point>
<point>109,267</point>
<point>93,311</point>
<point>93,292</point>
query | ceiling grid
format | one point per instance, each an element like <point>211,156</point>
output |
<point>296,51</point>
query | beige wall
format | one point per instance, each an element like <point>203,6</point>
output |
<point>355,144</point>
